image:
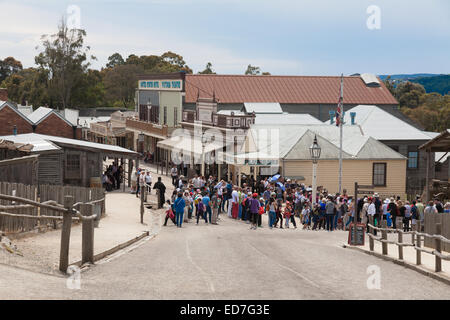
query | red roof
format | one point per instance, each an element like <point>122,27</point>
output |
<point>285,89</point>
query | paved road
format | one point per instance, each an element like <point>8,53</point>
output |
<point>230,261</point>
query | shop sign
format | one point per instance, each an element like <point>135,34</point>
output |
<point>170,85</point>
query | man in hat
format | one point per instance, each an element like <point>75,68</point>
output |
<point>162,190</point>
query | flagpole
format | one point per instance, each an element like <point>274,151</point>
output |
<point>340,133</point>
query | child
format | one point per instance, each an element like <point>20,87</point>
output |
<point>389,219</point>
<point>201,210</point>
<point>169,214</point>
<point>287,213</point>
<point>305,216</point>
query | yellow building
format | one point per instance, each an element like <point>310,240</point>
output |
<point>284,149</point>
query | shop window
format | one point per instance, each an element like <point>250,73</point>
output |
<point>379,174</point>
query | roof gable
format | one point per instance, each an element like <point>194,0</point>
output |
<point>41,113</point>
<point>7,104</point>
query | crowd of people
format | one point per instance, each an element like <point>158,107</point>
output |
<point>112,177</point>
<point>286,204</point>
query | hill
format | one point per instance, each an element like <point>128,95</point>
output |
<point>439,83</point>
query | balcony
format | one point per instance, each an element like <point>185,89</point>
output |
<point>148,128</point>
<point>228,121</point>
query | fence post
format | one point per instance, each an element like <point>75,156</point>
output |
<point>400,247</point>
<point>371,231</point>
<point>418,244</point>
<point>142,188</point>
<point>158,199</point>
<point>65,234</point>
<point>384,245</point>
<point>438,242</point>
<point>87,234</point>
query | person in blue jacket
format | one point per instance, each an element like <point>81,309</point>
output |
<point>179,205</point>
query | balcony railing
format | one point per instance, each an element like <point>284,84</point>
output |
<point>147,127</point>
<point>224,121</point>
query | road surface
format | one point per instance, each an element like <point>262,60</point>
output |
<point>230,261</point>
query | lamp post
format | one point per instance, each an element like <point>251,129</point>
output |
<point>203,153</point>
<point>314,151</point>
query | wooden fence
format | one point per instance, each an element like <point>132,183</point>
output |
<point>431,220</point>
<point>67,214</point>
<point>43,194</point>
<point>416,242</point>
<point>14,224</point>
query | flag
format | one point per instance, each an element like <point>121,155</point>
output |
<point>339,111</point>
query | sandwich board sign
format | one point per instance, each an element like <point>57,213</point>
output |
<point>356,234</point>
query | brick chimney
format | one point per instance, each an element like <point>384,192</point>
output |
<point>3,94</point>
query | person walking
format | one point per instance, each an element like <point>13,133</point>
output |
<point>169,214</point>
<point>179,206</point>
<point>162,192</point>
<point>201,210</point>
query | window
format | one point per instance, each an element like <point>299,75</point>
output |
<point>413,159</point>
<point>73,166</point>
<point>165,115</point>
<point>379,174</point>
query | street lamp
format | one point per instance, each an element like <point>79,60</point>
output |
<point>204,141</point>
<point>314,151</point>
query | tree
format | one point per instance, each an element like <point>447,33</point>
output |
<point>252,70</point>
<point>121,82</point>
<point>390,85</point>
<point>175,62</point>
<point>208,69</point>
<point>408,94</point>
<point>9,66</point>
<point>115,60</point>
<point>28,85</point>
<point>64,57</point>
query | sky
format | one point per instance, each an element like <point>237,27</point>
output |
<point>285,37</point>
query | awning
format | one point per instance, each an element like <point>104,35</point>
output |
<point>260,159</point>
<point>189,145</point>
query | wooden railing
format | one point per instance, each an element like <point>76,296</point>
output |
<point>68,212</point>
<point>147,127</point>
<point>417,238</point>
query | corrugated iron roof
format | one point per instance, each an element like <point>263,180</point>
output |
<point>293,141</point>
<point>263,107</point>
<point>42,142</point>
<point>382,125</point>
<point>285,89</point>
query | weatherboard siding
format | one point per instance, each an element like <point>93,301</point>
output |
<point>328,171</point>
